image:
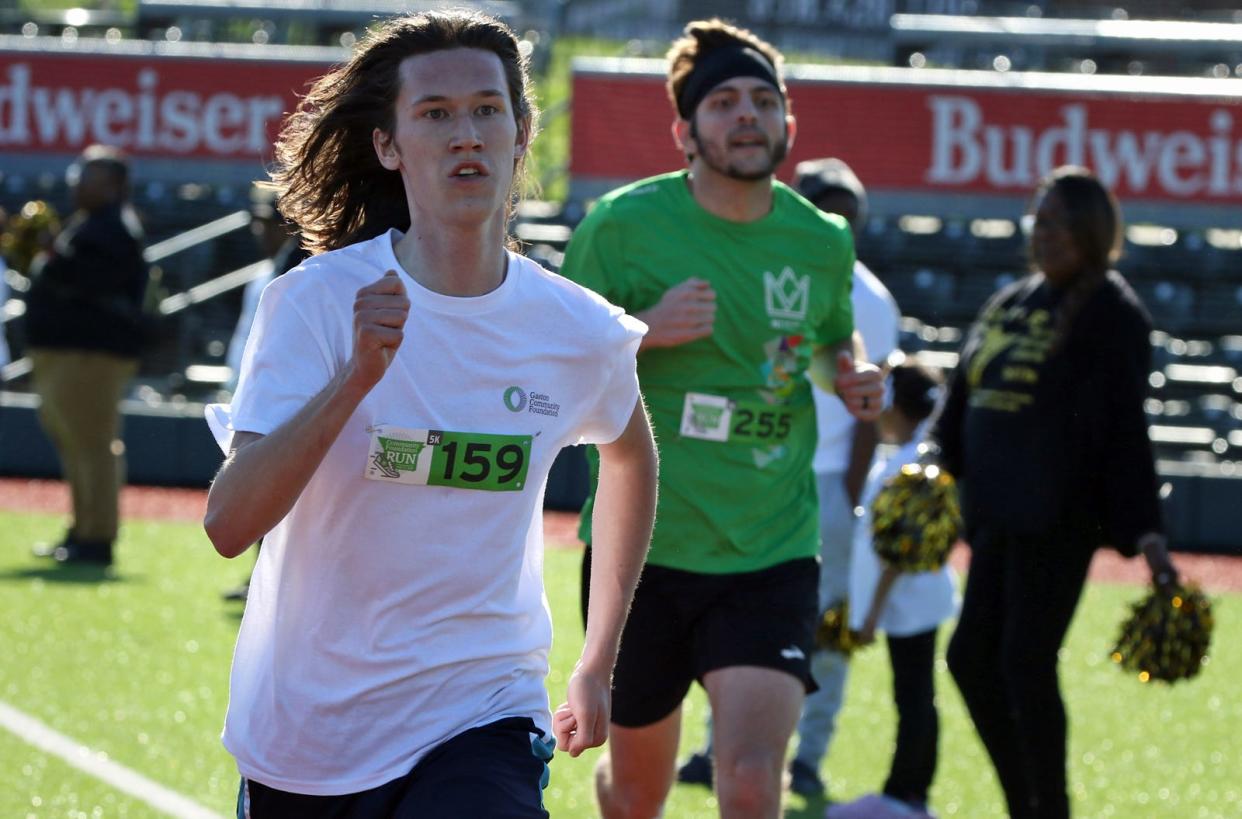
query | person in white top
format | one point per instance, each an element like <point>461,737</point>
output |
<point>279,245</point>
<point>908,608</point>
<point>403,394</point>
<point>844,453</point>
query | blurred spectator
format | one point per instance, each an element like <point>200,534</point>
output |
<point>842,460</point>
<point>1044,428</point>
<point>278,242</point>
<point>907,607</point>
<point>4,294</point>
<point>84,326</point>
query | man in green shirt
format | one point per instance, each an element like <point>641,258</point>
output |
<point>746,289</point>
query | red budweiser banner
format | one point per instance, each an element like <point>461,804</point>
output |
<point>942,132</point>
<point>152,106</point>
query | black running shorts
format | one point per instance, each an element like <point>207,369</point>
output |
<point>685,624</point>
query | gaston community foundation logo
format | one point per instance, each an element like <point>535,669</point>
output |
<point>517,399</point>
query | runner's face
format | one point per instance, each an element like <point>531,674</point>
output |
<point>741,130</point>
<point>455,140</point>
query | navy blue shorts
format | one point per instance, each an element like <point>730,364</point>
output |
<point>497,770</point>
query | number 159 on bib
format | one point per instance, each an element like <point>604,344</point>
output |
<point>464,460</point>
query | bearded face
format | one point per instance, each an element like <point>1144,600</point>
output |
<point>740,129</point>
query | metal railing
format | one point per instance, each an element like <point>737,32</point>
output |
<point>175,303</point>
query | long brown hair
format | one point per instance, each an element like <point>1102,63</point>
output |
<point>1097,230</point>
<point>331,184</point>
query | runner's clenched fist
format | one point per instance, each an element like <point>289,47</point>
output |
<point>380,311</point>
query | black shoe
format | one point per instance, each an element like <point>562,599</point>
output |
<point>804,780</point>
<point>84,552</point>
<point>697,770</point>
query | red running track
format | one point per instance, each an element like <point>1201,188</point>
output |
<point>1214,573</point>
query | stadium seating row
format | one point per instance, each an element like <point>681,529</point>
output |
<point>942,295</point>
<point>1197,355</point>
<point>943,271</point>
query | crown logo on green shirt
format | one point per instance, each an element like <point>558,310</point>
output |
<point>786,296</point>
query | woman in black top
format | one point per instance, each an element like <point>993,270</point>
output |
<point>1043,426</point>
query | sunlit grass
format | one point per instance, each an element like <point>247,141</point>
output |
<point>36,784</point>
<point>136,666</point>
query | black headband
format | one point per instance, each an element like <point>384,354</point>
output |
<point>718,66</point>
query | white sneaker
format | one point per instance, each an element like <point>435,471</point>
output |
<point>876,806</point>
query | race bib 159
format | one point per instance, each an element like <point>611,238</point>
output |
<point>436,457</point>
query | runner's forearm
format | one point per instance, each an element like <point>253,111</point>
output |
<point>265,474</point>
<point>621,532</point>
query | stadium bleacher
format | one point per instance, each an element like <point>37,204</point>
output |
<point>1062,37</point>
<point>942,271</point>
<point>1195,380</point>
<point>941,267</point>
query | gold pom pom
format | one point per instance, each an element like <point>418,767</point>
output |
<point>834,631</point>
<point>29,231</point>
<point>1166,636</point>
<point>916,518</point>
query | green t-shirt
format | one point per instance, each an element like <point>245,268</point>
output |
<point>732,413</point>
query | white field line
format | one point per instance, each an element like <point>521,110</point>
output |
<point>96,764</point>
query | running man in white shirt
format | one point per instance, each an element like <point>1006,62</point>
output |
<point>401,401</point>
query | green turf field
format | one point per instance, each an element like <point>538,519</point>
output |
<point>136,667</point>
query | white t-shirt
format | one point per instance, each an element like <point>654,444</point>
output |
<point>878,321</point>
<point>916,602</point>
<point>385,618</point>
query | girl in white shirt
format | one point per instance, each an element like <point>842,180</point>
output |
<point>908,608</point>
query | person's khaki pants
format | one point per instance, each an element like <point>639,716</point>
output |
<point>79,393</point>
